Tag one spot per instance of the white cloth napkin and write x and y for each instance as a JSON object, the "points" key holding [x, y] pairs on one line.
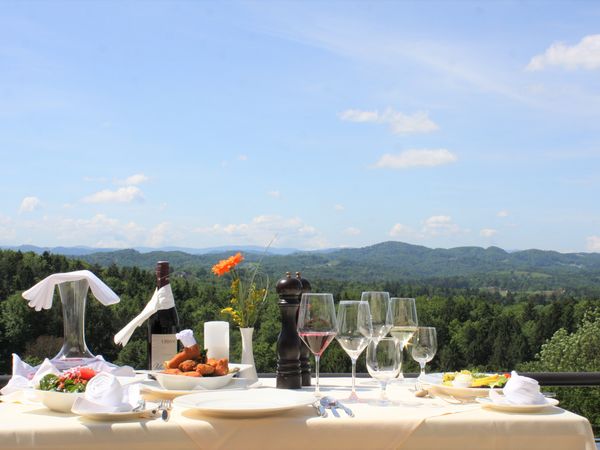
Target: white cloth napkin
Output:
{"points": [[26, 377], [40, 295], [519, 391], [104, 393], [162, 299]]}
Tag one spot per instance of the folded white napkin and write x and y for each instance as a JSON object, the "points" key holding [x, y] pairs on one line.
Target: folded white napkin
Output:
{"points": [[40, 295], [186, 337], [25, 376], [162, 299], [519, 391], [104, 393]]}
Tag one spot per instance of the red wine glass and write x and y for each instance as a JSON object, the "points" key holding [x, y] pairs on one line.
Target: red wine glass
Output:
{"points": [[317, 325]]}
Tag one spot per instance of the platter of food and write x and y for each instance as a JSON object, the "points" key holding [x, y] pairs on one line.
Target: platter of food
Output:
{"points": [[247, 403], [464, 384]]}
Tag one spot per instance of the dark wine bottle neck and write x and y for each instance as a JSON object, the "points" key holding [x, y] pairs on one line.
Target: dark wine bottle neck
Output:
{"points": [[162, 274]]}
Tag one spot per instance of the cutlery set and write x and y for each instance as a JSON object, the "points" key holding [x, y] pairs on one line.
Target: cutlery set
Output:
{"points": [[331, 403]]}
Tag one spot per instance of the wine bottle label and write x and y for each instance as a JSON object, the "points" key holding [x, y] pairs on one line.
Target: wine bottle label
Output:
{"points": [[164, 347]]}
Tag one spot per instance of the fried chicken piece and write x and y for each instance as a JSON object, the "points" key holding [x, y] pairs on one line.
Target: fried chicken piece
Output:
{"points": [[172, 371], [188, 365], [221, 366], [191, 374], [205, 369], [192, 352]]}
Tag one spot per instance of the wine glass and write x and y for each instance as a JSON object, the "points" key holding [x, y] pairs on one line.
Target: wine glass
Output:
{"points": [[384, 360], [424, 346], [317, 325], [379, 305], [354, 331], [404, 321]]}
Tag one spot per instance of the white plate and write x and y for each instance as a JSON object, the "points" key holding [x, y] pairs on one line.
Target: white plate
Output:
{"points": [[250, 403], [434, 385], [113, 416], [183, 383], [487, 403], [154, 388]]}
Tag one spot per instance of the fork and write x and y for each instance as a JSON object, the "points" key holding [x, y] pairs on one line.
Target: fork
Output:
{"points": [[165, 406]]}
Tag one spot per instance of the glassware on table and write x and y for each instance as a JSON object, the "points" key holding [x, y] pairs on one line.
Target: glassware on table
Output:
{"points": [[354, 332], [424, 346], [404, 321], [379, 305], [317, 325], [384, 360]]}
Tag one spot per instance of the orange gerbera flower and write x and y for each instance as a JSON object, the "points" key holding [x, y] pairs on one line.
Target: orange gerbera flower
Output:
{"points": [[225, 265]]}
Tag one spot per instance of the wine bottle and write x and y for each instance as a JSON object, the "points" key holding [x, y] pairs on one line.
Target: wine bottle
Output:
{"points": [[162, 326]]}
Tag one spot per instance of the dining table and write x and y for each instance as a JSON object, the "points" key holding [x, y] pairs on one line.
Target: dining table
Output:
{"points": [[410, 422]]}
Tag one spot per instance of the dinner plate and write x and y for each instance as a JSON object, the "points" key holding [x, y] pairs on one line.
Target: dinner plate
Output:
{"points": [[154, 388], [147, 413], [489, 404], [434, 385], [249, 403]]}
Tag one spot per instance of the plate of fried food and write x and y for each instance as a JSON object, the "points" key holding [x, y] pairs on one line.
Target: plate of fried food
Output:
{"points": [[190, 370], [464, 384]]}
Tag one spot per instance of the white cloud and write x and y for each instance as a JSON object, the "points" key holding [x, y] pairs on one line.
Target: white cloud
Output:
{"points": [[400, 123], [440, 226], [503, 213], [136, 179], [338, 207], [29, 204], [400, 230], [274, 194], [98, 231], [593, 243], [7, 230], [585, 55], [242, 157], [352, 231], [158, 235], [416, 158], [261, 230], [488, 232], [125, 194]]}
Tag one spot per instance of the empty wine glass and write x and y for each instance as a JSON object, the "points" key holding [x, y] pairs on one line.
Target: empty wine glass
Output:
{"points": [[354, 331], [383, 363], [424, 346], [317, 325], [404, 321], [379, 305]]}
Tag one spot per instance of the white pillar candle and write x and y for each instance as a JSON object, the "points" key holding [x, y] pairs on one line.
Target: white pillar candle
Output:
{"points": [[216, 339]]}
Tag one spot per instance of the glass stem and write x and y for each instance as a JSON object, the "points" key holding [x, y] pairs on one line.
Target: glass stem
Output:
{"points": [[317, 358], [422, 368], [353, 376], [382, 395]]}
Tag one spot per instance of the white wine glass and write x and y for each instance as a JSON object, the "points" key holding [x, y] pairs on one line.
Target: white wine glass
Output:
{"points": [[383, 363], [424, 347], [317, 325], [379, 305], [354, 332], [404, 322]]}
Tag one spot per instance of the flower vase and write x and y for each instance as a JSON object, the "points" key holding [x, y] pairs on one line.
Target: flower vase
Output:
{"points": [[248, 356]]}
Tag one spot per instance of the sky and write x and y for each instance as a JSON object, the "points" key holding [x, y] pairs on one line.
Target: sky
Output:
{"points": [[322, 124]]}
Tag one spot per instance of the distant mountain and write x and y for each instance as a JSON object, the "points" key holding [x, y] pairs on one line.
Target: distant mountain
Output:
{"points": [[395, 261]]}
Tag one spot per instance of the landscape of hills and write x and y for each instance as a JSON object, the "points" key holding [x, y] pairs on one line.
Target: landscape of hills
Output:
{"points": [[385, 261]]}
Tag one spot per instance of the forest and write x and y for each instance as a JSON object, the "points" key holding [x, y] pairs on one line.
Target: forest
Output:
{"points": [[478, 328]]}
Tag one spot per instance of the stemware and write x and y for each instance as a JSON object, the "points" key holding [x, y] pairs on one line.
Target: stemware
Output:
{"points": [[384, 360], [354, 331], [317, 325], [424, 346], [379, 305], [404, 322]]}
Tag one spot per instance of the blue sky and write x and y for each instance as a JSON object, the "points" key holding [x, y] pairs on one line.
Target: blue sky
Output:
{"points": [[325, 123]]}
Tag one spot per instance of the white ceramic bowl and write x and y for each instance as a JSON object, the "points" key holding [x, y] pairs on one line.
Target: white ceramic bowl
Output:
{"points": [[58, 401], [181, 382]]}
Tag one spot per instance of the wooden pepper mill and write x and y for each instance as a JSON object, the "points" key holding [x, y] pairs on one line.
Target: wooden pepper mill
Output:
{"points": [[288, 374], [304, 350]]}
